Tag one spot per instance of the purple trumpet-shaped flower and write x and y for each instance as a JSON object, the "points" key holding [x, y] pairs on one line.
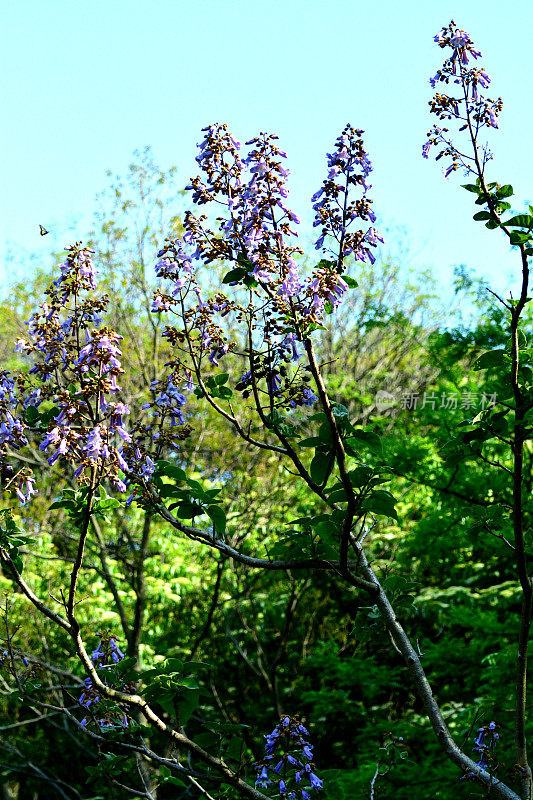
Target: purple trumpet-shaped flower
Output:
{"points": [[245, 380], [78, 266], [273, 384], [316, 782], [12, 429], [171, 401], [94, 445], [293, 774], [290, 341], [484, 745], [349, 167], [467, 106], [291, 285], [308, 398], [104, 656], [216, 353], [25, 488], [263, 781]]}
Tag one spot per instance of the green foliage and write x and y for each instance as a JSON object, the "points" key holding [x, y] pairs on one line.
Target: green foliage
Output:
{"points": [[12, 538], [276, 642]]}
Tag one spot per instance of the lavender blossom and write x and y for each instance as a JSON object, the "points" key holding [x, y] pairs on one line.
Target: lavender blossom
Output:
{"points": [[104, 656], [170, 401], [485, 745], [12, 429], [25, 488], [348, 167], [468, 107], [273, 384], [288, 762]]}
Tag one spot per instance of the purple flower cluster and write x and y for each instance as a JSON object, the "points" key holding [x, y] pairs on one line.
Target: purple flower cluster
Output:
{"points": [[287, 765], [309, 398], [106, 654], [79, 264], [327, 286], [254, 235], [335, 211], [253, 192], [175, 265], [13, 437], [6, 658], [471, 109], [71, 349], [462, 44], [484, 745], [168, 402], [164, 428]]}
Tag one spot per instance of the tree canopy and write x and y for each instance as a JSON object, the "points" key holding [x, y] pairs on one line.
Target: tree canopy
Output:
{"points": [[265, 527]]}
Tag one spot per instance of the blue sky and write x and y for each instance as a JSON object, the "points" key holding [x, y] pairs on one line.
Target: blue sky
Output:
{"points": [[88, 83]]}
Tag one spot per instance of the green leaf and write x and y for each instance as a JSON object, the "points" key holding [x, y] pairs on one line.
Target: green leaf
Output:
{"points": [[218, 516], [31, 415], [471, 187], [324, 433], [338, 496], [492, 358], [476, 435], [381, 502], [69, 504], [348, 449], [188, 510], [188, 705], [501, 207], [492, 224], [327, 528], [518, 237], [520, 221], [320, 466], [312, 441], [175, 781], [360, 476], [170, 470], [242, 261], [482, 215], [125, 668], [367, 438], [196, 485], [504, 191], [48, 416], [17, 563], [293, 546], [234, 275], [340, 412], [352, 283], [314, 326]]}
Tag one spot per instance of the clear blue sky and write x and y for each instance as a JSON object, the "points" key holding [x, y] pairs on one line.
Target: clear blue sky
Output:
{"points": [[84, 84]]}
